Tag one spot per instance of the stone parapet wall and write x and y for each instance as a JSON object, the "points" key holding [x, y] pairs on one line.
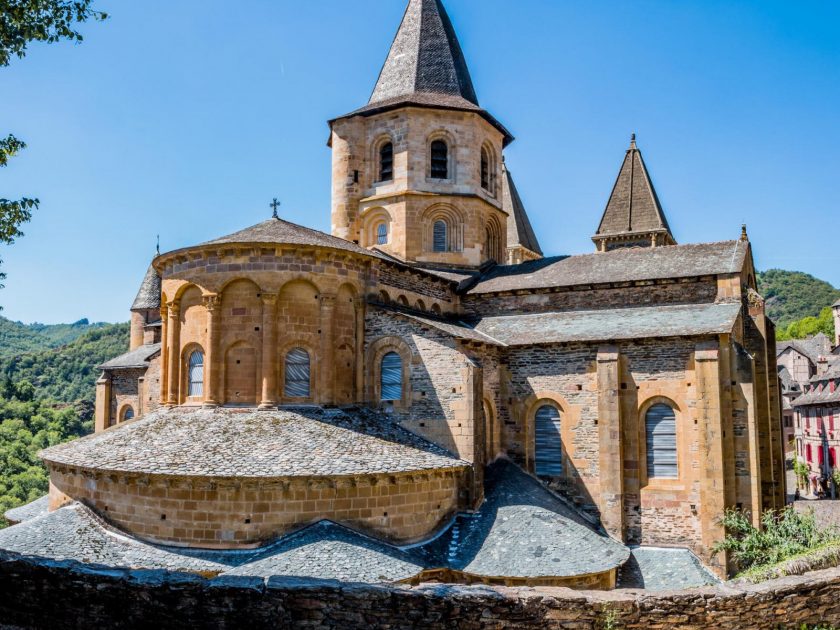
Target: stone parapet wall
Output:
{"points": [[227, 514], [39, 594]]}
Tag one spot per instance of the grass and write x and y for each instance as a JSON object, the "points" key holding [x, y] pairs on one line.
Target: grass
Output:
{"points": [[824, 556]]}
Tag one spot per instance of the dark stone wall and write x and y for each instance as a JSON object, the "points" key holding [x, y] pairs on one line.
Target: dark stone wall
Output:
{"points": [[68, 595]]}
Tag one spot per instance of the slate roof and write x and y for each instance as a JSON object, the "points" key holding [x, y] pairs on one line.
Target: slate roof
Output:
{"points": [[249, 443], [812, 347], [523, 530], [620, 265], [519, 228], [28, 511], [661, 569], [452, 328], [280, 231], [137, 358], [633, 206], [611, 324], [425, 67], [148, 297]]}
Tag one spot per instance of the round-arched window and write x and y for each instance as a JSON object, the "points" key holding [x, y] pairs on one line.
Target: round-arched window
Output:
{"points": [[195, 385], [391, 376], [548, 445], [297, 373], [661, 441], [440, 160], [439, 240], [386, 162], [382, 234], [128, 414]]}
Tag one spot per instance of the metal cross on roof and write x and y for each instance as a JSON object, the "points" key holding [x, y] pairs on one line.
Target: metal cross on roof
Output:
{"points": [[274, 205]]}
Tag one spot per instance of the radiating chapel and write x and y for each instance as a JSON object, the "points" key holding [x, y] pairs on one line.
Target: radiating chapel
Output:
{"points": [[426, 386]]}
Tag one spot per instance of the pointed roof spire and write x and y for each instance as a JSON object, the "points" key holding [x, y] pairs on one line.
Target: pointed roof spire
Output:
{"points": [[425, 58], [148, 297], [633, 214], [519, 230]]}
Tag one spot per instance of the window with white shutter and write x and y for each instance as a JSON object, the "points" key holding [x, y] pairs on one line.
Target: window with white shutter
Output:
{"points": [[548, 452], [661, 441], [391, 377], [297, 374], [195, 386]]}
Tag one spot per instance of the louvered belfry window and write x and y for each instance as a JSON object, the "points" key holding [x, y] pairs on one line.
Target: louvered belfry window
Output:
{"points": [[439, 236], [661, 441], [297, 374], [196, 374], [381, 234], [548, 452], [391, 377], [386, 162], [440, 160], [485, 170]]}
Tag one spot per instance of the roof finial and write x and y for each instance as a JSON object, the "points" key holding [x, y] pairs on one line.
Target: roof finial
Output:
{"points": [[274, 205], [632, 140], [157, 246], [744, 237]]}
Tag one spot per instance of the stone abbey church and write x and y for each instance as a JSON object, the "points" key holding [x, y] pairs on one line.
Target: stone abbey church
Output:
{"points": [[423, 394]]}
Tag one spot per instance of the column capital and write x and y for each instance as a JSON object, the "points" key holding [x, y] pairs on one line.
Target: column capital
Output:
{"points": [[174, 309], [212, 301], [269, 298], [328, 299]]}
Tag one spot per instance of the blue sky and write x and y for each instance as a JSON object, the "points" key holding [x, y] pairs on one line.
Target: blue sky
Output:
{"points": [[185, 119]]}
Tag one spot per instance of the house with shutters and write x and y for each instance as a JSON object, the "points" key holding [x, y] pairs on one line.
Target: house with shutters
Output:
{"points": [[424, 390]]}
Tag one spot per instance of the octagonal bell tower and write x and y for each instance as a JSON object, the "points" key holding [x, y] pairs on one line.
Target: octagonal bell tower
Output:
{"points": [[418, 172]]}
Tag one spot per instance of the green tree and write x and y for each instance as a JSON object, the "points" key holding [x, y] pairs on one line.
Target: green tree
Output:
{"points": [[809, 326], [22, 22]]}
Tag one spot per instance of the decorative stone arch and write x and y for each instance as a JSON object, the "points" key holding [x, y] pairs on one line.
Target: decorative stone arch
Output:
{"points": [[488, 153], [492, 433], [300, 278], [314, 364], [493, 246], [126, 413], [380, 141], [376, 351], [681, 439], [184, 385], [532, 404], [228, 282], [183, 288], [436, 310], [402, 300], [420, 305], [449, 138], [372, 219], [454, 220]]}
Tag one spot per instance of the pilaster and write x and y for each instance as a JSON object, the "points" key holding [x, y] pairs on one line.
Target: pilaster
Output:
{"points": [[269, 351], [174, 343], [359, 310], [102, 409], [212, 360], [326, 373], [611, 450]]}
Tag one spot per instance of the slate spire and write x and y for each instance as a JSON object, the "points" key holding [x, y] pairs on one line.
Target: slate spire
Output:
{"points": [[425, 58], [148, 296], [521, 240], [633, 216]]}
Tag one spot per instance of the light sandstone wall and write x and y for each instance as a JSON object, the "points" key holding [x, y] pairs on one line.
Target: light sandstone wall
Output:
{"points": [[230, 513], [684, 291], [125, 391]]}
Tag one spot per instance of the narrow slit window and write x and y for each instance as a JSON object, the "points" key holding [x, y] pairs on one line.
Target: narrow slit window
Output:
{"points": [[440, 160], [548, 447], [196, 374], [391, 377], [439, 236], [485, 170], [297, 374], [661, 441], [382, 234], [386, 162]]}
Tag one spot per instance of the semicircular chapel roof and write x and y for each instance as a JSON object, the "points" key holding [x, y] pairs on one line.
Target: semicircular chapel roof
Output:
{"points": [[247, 443]]}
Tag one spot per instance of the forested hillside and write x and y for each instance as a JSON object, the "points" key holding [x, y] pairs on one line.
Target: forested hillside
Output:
{"points": [[46, 397], [792, 295], [17, 338], [68, 374]]}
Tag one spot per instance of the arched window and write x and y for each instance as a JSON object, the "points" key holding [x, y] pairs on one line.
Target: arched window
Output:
{"points": [[128, 413], [391, 377], [548, 446], [439, 230], [381, 234], [440, 160], [386, 162], [195, 387], [297, 374], [485, 169], [661, 441]]}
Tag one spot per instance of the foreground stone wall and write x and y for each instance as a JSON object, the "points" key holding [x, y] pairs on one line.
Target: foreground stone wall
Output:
{"points": [[68, 595]]}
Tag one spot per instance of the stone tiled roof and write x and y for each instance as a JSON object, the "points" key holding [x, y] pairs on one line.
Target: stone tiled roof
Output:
{"points": [[611, 324], [28, 511], [621, 265], [633, 206], [455, 329], [137, 358], [658, 569], [426, 67], [523, 530], [519, 230], [148, 297], [255, 444], [812, 347], [282, 232], [330, 551]]}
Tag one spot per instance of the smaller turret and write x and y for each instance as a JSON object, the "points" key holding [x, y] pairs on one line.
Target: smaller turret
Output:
{"points": [[145, 311]]}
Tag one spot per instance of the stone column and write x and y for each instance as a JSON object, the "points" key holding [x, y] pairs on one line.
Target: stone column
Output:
{"points": [[611, 460], [326, 376], [164, 355], [359, 310], [269, 351], [710, 433], [173, 343], [102, 413], [212, 362]]}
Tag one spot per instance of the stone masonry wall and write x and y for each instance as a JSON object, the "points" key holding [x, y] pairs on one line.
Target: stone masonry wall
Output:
{"points": [[224, 513], [67, 595]]}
